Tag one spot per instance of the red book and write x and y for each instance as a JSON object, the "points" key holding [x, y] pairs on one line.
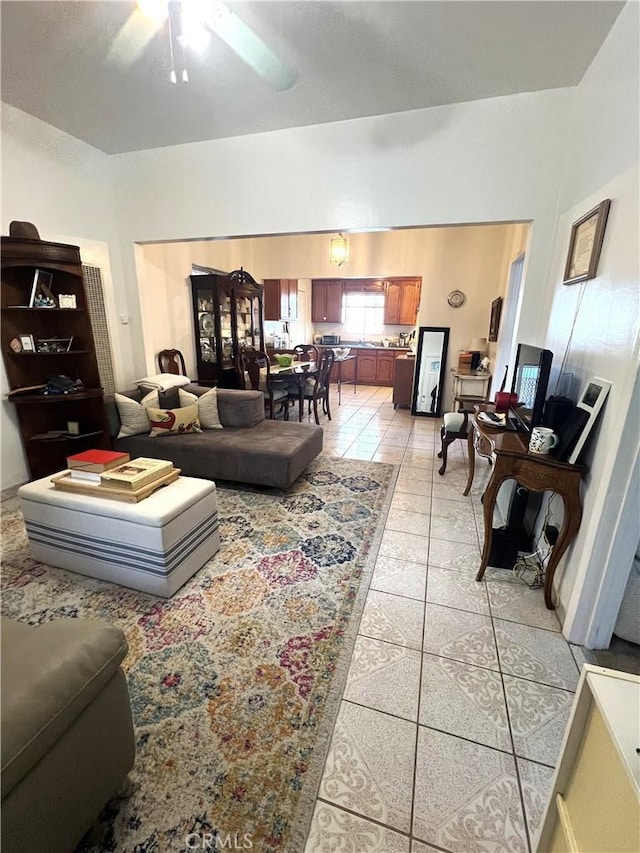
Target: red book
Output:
{"points": [[97, 460]]}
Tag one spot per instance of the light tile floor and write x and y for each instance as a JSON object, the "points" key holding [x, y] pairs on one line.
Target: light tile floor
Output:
{"points": [[458, 692]]}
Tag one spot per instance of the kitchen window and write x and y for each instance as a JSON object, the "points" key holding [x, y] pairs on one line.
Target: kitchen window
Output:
{"points": [[362, 314]]}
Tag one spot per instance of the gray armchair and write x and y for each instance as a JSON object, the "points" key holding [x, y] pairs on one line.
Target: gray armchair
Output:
{"points": [[67, 732]]}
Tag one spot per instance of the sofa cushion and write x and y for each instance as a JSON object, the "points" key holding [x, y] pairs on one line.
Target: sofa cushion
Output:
{"points": [[50, 674], [207, 406], [133, 415], [240, 408], [173, 421]]}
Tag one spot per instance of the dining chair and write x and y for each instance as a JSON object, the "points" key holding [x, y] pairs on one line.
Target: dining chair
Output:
{"points": [[306, 352], [254, 370], [317, 388], [171, 361]]}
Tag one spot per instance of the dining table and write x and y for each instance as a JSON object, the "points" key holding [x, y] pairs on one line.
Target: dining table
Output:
{"points": [[299, 372]]}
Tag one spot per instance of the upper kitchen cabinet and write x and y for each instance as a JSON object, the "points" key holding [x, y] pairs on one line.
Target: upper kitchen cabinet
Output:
{"points": [[402, 300], [281, 299], [326, 300]]}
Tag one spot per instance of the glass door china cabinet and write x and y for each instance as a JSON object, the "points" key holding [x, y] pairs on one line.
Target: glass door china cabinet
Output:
{"points": [[227, 312]]}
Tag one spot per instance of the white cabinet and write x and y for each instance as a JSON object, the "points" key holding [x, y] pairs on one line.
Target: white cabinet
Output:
{"points": [[470, 388], [594, 805]]}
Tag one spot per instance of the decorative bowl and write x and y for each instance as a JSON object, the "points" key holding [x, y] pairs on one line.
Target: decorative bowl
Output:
{"points": [[283, 359], [342, 352]]}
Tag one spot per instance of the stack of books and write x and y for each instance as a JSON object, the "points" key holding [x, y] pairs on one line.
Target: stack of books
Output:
{"points": [[88, 466], [136, 474], [111, 474]]}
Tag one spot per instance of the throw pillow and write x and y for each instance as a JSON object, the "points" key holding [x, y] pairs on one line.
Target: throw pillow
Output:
{"points": [[173, 421], [207, 407], [163, 381], [133, 415]]}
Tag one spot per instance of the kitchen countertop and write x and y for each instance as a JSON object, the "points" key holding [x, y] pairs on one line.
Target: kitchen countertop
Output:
{"points": [[365, 347]]}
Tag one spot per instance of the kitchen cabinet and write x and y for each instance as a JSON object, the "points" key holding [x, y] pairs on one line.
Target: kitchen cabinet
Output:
{"points": [[376, 366], [594, 803], [326, 300], [281, 299], [403, 381], [385, 366], [402, 300], [43, 340], [227, 316], [367, 361]]}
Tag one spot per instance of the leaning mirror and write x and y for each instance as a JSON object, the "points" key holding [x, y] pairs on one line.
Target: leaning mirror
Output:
{"points": [[428, 385]]}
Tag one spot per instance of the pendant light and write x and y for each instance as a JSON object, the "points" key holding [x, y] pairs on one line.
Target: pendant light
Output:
{"points": [[339, 253]]}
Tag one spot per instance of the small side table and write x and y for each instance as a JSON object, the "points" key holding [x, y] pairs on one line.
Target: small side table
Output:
{"points": [[352, 375]]}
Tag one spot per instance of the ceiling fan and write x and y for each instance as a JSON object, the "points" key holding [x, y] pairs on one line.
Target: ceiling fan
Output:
{"points": [[190, 24]]}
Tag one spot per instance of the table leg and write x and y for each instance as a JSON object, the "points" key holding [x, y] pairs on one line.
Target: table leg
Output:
{"points": [[300, 401], [570, 526], [488, 504], [471, 453]]}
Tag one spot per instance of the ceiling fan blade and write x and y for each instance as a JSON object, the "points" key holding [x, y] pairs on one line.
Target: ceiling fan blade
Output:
{"points": [[132, 39], [250, 47]]}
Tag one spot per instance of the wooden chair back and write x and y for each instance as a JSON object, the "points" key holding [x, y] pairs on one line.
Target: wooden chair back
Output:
{"points": [[306, 352], [171, 361]]}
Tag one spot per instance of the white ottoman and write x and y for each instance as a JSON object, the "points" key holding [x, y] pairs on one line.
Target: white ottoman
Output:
{"points": [[154, 546]]}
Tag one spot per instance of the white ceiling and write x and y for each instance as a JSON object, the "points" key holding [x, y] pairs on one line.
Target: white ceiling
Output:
{"points": [[353, 59]]}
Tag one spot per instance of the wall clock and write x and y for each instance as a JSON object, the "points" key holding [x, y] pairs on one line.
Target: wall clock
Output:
{"points": [[456, 298]]}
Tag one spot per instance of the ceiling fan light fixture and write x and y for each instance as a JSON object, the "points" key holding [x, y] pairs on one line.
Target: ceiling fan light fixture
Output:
{"points": [[195, 35], [339, 252], [155, 10]]}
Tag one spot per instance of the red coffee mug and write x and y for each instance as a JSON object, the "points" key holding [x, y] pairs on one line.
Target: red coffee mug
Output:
{"points": [[505, 400]]}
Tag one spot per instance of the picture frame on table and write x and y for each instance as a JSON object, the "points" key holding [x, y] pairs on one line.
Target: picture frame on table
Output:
{"points": [[585, 244], [591, 402], [494, 322], [41, 295], [27, 343]]}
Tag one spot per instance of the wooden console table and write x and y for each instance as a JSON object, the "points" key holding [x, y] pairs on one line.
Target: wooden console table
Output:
{"points": [[512, 461]]}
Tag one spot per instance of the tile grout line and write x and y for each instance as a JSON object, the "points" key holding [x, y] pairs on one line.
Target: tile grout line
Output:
{"points": [[510, 727]]}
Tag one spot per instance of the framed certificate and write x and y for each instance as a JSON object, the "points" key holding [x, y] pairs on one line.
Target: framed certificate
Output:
{"points": [[587, 235]]}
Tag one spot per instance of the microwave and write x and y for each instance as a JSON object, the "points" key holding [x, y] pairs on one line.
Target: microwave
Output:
{"points": [[330, 340]]}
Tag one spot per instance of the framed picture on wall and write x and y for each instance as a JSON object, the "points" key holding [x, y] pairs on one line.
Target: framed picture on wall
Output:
{"points": [[585, 245], [591, 401], [494, 322]]}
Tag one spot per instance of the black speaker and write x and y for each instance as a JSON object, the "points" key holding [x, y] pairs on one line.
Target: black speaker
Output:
{"points": [[556, 411], [504, 548]]}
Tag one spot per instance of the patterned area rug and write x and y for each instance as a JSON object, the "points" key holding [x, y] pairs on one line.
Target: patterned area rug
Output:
{"points": [[235, 682]]}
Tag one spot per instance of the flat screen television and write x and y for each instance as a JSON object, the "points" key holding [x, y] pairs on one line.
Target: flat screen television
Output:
{"points": [[530, 382]]}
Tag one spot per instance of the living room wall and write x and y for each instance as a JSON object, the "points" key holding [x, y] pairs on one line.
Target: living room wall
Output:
{"points": [[66, 188], [493, 161], [595, 327], [474, 259]]}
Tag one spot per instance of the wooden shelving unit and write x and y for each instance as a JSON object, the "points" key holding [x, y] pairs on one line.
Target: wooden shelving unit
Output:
{"points": [[39, 414]]}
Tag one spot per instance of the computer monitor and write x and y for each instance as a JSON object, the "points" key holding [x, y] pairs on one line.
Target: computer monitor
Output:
{"points": [[530, 382]]}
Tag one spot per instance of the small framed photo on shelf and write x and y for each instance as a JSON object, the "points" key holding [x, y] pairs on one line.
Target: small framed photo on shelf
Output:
{"points": [[54, 344], [41, 295], [585, 245], [26, 342], [67, 300]]}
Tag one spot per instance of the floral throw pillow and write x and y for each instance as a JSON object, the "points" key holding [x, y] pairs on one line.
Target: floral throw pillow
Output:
{"points": [[173, 421]]}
